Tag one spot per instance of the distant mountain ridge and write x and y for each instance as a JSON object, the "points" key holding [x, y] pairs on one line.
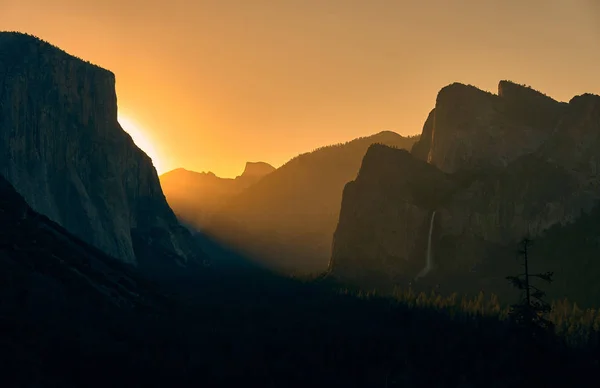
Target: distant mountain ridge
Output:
{"points": [[196, 196], [64, 151], [256, 170], [286, 220], [494, 168]]}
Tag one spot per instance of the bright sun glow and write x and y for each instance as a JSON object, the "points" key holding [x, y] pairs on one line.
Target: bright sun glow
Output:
{"points": [[141, 140]]}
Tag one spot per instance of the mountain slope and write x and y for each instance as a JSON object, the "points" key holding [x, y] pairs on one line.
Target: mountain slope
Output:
{"points": [[195, 197], [518, 163], [287, 219], [63, 149], [68, 312], [391, 186]]}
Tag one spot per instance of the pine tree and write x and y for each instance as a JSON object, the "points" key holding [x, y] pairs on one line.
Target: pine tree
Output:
{"points": [[531, 312]]}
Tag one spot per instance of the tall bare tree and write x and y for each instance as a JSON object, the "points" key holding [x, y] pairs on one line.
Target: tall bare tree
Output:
{"points": [[531, 311]]}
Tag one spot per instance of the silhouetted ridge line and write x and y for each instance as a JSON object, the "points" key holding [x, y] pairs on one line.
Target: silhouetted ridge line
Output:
{"points": [[15, 38]]}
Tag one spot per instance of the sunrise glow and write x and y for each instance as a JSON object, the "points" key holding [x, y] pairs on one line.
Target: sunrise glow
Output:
{"points": [[223, 85], [142, 140]]}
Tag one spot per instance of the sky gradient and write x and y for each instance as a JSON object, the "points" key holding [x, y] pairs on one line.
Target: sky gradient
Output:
{"points": [[213, 84]]}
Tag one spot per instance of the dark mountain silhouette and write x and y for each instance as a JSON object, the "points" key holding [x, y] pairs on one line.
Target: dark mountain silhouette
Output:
{"points": [[287, 219], [64, 151], [72, 316], [195, 196], [488, 170]]}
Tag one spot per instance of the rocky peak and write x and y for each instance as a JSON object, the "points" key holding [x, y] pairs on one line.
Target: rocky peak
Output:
{"points": [[471, 129], [529, 106], [63, 150], [586, 100], [511, 91], [257, 169], [576, 140], [461, 95]]}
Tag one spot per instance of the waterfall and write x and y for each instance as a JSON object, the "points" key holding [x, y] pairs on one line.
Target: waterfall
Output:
{"points": [[429, 257]]}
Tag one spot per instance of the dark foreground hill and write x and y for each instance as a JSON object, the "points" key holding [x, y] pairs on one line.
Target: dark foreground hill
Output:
{"points": [[72, 316], [67, 310]]}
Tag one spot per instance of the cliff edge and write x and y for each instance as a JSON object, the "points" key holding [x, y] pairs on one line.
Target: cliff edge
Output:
{"points": [[471, 129], [63, 150], [487, 171]]}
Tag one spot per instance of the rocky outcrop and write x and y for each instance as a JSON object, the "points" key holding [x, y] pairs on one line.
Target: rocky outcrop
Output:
{"points": [[421, 148], [488, 186], [575, 143], [255, 171], [196, 196], [62, 148], [385, 213], [529, 106], [470, 129]]}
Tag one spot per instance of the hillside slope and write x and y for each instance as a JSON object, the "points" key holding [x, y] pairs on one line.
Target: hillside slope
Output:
{"points": [[286, 220]]}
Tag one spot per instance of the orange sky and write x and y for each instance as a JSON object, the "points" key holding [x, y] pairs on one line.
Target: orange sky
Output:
{"points": [[213, 84]]}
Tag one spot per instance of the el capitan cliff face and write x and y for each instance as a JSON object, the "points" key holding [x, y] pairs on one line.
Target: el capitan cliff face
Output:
{"points": [[62, 148], [513, 164]]}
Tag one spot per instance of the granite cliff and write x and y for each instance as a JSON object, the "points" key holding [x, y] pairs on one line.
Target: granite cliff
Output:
{"points": [[493, 168], [470, 129], [63, 149], [253, 171], [196, 196], [384, 216], [287, 219]]}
